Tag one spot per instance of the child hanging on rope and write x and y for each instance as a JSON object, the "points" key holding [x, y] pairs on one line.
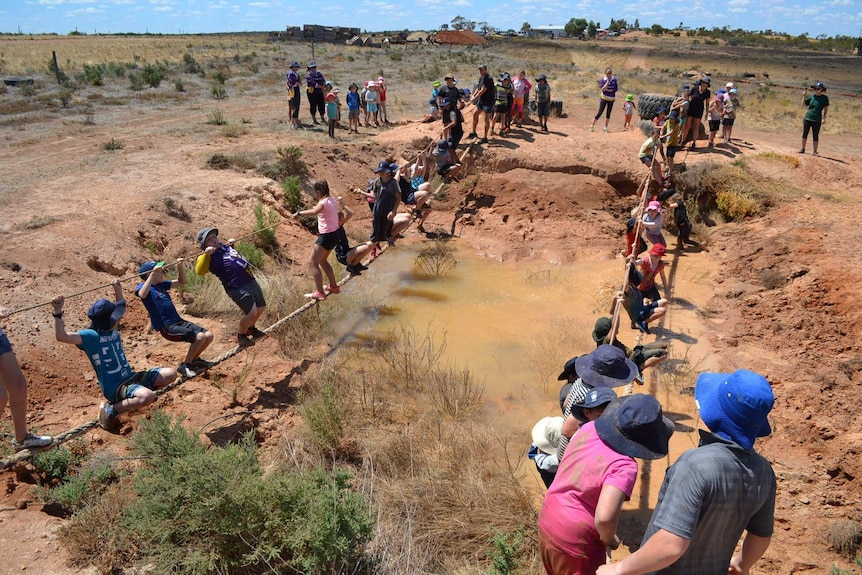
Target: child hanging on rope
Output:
{"points": [[350, 258], [13, 388], [165, 319], [124, 389], [646, 155], [326, 211], [231, 268]]}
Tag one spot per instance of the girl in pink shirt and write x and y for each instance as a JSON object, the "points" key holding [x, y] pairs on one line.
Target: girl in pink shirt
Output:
{"points": [[326, 211], [579, 516]]}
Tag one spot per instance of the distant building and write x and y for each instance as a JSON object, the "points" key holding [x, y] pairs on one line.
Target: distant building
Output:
{"points": [[551, 31]]}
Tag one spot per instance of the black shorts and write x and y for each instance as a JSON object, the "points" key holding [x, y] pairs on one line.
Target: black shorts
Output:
{"points": [[182, 331], [5, 344], [714, 125], [671, 151], [444, 169], [501, 108], [727, 121], [483, 108], [543, 108], [328, 240], [247, 296]]}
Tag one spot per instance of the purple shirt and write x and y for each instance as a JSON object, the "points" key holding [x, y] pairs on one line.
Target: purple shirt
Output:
{"points": [[609, 88], [314, 79], [230, 267]]}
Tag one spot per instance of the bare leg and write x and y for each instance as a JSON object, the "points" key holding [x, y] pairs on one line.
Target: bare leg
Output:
{"points": [[202, 341], [13, 386], [144, 396]]}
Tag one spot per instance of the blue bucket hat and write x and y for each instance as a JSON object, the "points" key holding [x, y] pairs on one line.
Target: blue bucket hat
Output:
{"points": [[147, 267], [294, 65], [594, 398], [607, 366], [104, 314], [383, 167], [735, 405], [635, 426]]}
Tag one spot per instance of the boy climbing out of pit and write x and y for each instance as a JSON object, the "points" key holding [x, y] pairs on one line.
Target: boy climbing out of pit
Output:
{"points": [[124, 388], [231, 268], [165, 319]]}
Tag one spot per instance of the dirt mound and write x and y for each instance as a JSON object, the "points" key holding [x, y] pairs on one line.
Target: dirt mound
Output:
{"points": [[460, 37]]}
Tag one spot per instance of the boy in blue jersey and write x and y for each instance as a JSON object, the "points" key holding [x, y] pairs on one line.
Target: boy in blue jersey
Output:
{"points": [[124, 389], [165, 319]]}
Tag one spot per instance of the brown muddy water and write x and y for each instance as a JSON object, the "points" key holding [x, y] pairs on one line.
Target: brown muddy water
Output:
{"points": [[514, 325]]}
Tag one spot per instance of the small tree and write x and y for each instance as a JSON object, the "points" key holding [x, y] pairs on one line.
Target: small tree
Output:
{"points": [[575, 27], [525, 27], [637, 24], [592, 29]]}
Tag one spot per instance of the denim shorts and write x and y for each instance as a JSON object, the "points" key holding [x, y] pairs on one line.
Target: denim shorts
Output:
{"points": [[5, 344], [139, 379]]}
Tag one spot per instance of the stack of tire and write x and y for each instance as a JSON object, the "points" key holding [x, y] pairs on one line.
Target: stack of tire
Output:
{"points": [[648, 107]]}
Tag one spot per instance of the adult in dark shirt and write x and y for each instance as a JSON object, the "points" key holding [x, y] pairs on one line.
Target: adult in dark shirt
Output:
{"points": [[484, 100], [450, 92], [388, 198], [700, 95], [315, 83]]}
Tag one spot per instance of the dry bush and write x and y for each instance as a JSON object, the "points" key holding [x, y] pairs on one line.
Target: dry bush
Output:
{"points": [[436, 260], [679, 371], [791, 161], [845, 537], [438, 485], [409, 356], [95, 539], [550, 349], [729, 188], [454, 392]]}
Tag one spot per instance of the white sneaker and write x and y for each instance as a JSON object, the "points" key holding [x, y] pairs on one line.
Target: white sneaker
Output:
{"points": [[186, 371], [32, 441]]}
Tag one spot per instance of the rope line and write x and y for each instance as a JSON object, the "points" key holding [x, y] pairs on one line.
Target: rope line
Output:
{"points": [[80, 430]]}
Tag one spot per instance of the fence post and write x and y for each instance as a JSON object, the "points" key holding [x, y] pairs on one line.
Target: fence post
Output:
{"points": [[56, 67]]}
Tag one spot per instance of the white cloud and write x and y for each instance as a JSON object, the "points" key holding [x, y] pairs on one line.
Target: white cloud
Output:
{"points": [[163, 9], [461, 3]]}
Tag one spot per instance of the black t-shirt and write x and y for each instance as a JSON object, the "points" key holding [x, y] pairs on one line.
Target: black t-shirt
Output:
{"points": [[698, 102], [487, 97], [451, 93]]}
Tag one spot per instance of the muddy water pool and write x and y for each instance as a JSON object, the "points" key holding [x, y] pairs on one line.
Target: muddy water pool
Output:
{"points": [[515, 324]]}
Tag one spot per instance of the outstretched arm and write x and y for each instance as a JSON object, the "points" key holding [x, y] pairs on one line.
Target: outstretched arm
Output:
{"points": [[59, 327]]}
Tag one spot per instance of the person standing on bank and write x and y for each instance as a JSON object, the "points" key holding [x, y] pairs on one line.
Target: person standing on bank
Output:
{"points": [[292, 81], [607, 94], [315, 82], [716, 491], [815, 117]]}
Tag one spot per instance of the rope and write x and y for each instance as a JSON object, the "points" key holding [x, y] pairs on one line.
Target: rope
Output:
{"points": [[80, 430]]}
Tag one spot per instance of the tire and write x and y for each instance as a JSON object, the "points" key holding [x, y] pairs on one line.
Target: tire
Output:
{"points": [[649, 104]]}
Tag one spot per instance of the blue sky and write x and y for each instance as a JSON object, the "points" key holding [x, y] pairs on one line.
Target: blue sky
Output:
{"points": [[830, 17]]}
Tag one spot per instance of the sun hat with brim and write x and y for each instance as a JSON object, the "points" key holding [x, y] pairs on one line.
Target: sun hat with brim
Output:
{"points": [[818, 86], [634, 425], [564, 393], [630, 97], [147, 267], [606, 366], [654, 205], [735, 405], [602, 328], [202, 235], [595, 397], [569, 369], [294, 65], [436, 83], [547, 433], [657, 250], [383, 167], [312, 64], [104, 314], [541, 77]]}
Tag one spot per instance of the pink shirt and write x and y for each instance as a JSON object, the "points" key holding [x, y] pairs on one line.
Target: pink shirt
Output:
{"points": [[327, 220], [568, 514]]}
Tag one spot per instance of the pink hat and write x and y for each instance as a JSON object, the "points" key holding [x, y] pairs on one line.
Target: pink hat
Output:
{"points": [[729, 85], [657, 250], [653, 205], [380, 78]]}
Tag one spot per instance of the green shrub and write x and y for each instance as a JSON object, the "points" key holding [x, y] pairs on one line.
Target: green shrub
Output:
{"points": [[137, 84], [504, 556], [83, 488], [93, 74], [178, 85], [291, 162], [292, 193], [219, 77], [218, 92], [190, 64], [153, 74], [55, 465], [216, 118], [112, 145], [265, 223], [66, 95], [203, 509], [323, 412]]}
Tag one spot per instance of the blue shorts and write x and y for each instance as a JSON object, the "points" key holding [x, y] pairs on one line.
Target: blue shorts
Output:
{"points": [[486, 109], [646, 311], [5, 344], [543, 108], [139, 379], [647, 160], [671, 151], [247, 296], [371, 107]]}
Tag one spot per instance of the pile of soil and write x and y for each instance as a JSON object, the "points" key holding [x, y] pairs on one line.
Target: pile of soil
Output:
{"points": [[459, 37]]}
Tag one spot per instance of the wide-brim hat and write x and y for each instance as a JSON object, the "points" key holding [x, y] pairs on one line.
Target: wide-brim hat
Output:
{"points": [[104, 314], [312, 64], [383, 167], [818, 86], [569, 369], [294, 65], [541, 77], [606, 366], [602, 329], [735, 405], [635, 426], [594, 398], [203, 233], [547, 434]]}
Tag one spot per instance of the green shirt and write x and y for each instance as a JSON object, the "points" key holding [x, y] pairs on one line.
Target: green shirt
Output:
{"points": [[816, 104]]}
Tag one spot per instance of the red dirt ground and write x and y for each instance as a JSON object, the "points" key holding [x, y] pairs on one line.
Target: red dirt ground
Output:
{"points": [[786, 303]]}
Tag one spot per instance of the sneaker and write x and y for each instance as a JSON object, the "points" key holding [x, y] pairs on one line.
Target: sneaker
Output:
{"points": [[255, 333], [185, 370], [815, 154], [333, 288], [472, 135], [32, 441], [316, 295], [107, 416], [361, 267], [592, 129], [606, 130], [353, 270], [802, 151], [201, 365], [244, 340], [483, 141], [643, 327], [493, 133], [390, 240], [639, 379]]}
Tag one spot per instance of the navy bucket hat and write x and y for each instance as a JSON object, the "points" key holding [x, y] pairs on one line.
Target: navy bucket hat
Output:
{"points": [[635, 426], [607, 366]]}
